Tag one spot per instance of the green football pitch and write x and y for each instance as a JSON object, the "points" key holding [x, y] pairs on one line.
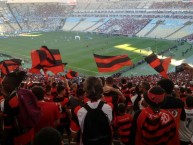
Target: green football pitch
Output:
{"points": [[79, 53]]}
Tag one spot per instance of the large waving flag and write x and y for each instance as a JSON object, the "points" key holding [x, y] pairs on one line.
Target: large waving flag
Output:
{"points": [[160, 65], [58, 66], [7, 66], [50, 60], [111, 63], [166, 62], [37, 57], [46, 59]]}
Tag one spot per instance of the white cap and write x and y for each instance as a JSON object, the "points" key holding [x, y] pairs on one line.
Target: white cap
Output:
{"points": [[191, 83], [176, 86]]}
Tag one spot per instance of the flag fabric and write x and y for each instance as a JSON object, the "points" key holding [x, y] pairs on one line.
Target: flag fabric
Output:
{"points": [[34, 71], [50, 60], [46, 59], [58, 65], [71, 74], [54, 69], [8, 66], [111, 63], [166, 62], [37, 57], [160, 65], [56, 55]]}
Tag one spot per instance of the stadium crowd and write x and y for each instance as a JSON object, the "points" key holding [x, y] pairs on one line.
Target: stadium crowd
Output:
{"points": [[125, 26], [139, 110], [172, 5], [24, 17], [190, 37]]}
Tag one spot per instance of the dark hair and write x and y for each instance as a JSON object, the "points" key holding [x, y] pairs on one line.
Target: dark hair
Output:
{"points": [[121, 108], [182, 90], [109, 80], [48, 136], [54, 84], [48, 88], [12, 80], [103, 80], [189, 91], [189, 101], [38, 92], [129, 84], [123, 81], [60, 89], [79, 92], [60, 83], [167, 85], [145, 85], [93, 88], [137, 90]]}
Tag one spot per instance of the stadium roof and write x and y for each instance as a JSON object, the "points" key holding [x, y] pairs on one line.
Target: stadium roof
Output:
{"points": [[41, 1], [70, 1]]}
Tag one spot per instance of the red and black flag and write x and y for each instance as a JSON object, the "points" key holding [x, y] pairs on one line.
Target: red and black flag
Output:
{"points": [[71, 74], [8, 66], [160, 65], [50, 60], [58, 65], [37, 57], [111, 63], [166, 62], [46, 59]]}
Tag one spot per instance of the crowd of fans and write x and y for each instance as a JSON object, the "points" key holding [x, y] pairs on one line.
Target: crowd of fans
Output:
{"points": [[125, 26], [135, 107], [37, 11], [134, 5], [140, 109], [190, 37], [106, 5], [172, 5], [37, 17]]}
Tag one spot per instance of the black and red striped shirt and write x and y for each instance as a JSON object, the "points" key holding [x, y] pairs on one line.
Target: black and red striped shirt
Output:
{"points": [[123, 123], [154, 128]]}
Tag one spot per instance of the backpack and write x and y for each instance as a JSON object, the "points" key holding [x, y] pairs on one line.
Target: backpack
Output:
{"points": [[29, 111], [96, 130]]}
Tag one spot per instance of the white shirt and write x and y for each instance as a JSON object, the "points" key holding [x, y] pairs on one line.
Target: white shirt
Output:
{"points": [[186, 127], [82, 113]]}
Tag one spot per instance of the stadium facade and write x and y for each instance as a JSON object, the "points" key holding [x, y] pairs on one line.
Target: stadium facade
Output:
{"points": [[121, 17]]}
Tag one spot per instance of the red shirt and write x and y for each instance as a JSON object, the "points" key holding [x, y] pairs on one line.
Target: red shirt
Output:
{"points": [[48, 98], [62, 102], [49, 114]]}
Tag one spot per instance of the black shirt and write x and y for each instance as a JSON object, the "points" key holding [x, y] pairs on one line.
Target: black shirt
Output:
{"points": [[171, 102]]}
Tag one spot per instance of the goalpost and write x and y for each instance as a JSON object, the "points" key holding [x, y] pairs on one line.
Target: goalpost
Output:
{"points": [[77, 37]]}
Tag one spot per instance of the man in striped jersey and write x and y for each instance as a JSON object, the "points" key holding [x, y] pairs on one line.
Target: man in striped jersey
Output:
{"points": [[123, 122], [152, 125]]}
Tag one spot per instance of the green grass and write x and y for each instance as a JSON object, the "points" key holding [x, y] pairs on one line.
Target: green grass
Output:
{"points": [[79, 54]]}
